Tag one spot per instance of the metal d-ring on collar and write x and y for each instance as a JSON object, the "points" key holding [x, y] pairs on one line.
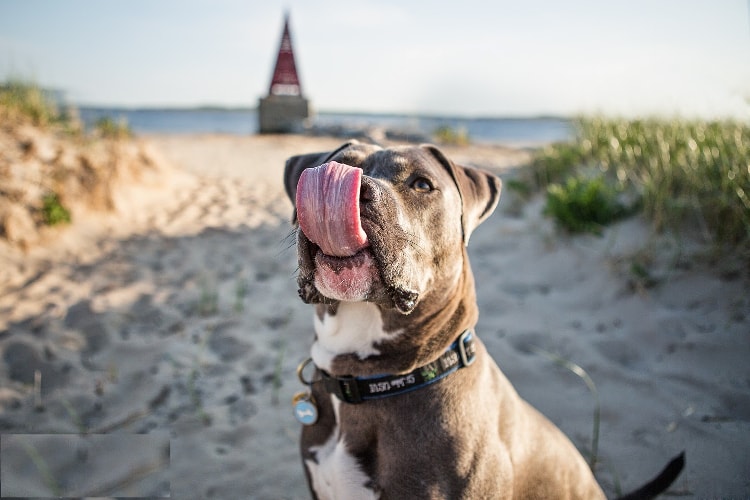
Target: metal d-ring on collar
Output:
{"points": [[301, 372]]}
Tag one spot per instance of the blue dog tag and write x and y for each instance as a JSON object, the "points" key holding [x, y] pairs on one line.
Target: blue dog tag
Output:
{"points": [[305, 410]]}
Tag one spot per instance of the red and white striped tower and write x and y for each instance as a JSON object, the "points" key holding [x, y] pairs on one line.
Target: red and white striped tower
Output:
{"points": [[285, 80], [284, 109]]}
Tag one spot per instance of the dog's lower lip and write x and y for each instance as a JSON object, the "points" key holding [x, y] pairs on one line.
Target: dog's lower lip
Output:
{"points": [[338, 263]]}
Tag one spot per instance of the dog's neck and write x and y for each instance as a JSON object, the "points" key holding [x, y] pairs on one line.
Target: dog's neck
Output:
{"points": [[364, 339], [355, 329]]}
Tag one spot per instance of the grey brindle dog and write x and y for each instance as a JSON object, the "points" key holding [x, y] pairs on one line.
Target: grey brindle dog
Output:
{"points": [[405, 402]]}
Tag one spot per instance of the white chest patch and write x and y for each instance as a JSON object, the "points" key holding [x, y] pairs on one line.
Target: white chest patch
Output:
{"points": [[337, 475], [355, 328]]}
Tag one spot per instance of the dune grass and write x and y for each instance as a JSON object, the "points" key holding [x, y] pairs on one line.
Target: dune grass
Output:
{"points": [[19, 99], [24, 100], [682, 173], [109, 128]]}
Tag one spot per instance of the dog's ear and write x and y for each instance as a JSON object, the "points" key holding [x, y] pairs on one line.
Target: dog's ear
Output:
{"points": [[479, 191], [296, 164]]}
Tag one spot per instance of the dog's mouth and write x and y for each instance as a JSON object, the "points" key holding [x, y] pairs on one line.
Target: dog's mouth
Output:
{"points": [[357, 278], [346, 262], [328, 214]]}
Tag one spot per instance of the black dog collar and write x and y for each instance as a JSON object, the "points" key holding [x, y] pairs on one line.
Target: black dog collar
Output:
{"points": [[460, 354]]}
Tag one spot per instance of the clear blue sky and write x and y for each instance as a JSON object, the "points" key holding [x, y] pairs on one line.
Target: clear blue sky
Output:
{"points": [[465, 57]]}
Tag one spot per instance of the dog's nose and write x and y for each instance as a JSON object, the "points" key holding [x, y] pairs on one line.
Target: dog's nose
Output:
{"points": [[368, 191]]}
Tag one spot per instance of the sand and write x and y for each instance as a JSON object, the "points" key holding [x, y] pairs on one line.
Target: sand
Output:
{"points": [[178, 316]]}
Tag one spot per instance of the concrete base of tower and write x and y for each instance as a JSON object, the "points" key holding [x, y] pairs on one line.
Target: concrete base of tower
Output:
{"points": [[282, 114]]}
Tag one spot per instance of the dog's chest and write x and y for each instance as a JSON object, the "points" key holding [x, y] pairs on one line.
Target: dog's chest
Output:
{"points": [[335, 473]]}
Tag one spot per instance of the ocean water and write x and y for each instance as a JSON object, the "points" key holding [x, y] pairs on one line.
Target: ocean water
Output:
{"points": [[524, 132]]}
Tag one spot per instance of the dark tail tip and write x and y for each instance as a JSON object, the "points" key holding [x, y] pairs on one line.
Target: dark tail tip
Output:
{"points": [[661, 482]]}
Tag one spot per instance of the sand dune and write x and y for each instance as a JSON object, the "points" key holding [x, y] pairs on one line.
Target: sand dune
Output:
{"points": [[178, 316]]}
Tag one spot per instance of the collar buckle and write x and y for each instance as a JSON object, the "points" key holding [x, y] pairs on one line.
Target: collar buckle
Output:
{"points": [[468, 355]]}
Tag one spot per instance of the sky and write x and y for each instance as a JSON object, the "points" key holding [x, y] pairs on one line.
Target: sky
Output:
{"points": [[473, 58]]}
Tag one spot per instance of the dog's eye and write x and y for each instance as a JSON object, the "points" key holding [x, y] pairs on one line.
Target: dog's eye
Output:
{"points": [[422, 185]]}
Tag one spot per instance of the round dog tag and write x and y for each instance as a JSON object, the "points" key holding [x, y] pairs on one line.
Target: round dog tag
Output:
{"points": [[305, 410]]}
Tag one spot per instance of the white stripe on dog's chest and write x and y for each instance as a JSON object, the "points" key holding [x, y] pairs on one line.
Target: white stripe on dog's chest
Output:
{"points": [[335, 474], [356, 328]]}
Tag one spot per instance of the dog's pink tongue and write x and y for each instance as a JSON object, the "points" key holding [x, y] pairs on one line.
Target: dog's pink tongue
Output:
{"points": [[328, 208]]}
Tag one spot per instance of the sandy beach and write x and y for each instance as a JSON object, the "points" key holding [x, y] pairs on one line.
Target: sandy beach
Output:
{"points": [[176, 315]]}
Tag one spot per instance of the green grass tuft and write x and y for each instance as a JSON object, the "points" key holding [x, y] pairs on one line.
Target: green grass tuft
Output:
{"points": [[53, 211], [27, 100], [110, 128], [451, 136], [584, 205]]}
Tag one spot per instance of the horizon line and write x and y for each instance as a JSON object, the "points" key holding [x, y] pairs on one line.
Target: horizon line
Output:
{"points": [[400, 114]]}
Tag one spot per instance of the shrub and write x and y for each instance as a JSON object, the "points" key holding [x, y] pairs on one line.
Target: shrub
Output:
{"points": [[584, 205], [53, 210], [451, 136]]}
